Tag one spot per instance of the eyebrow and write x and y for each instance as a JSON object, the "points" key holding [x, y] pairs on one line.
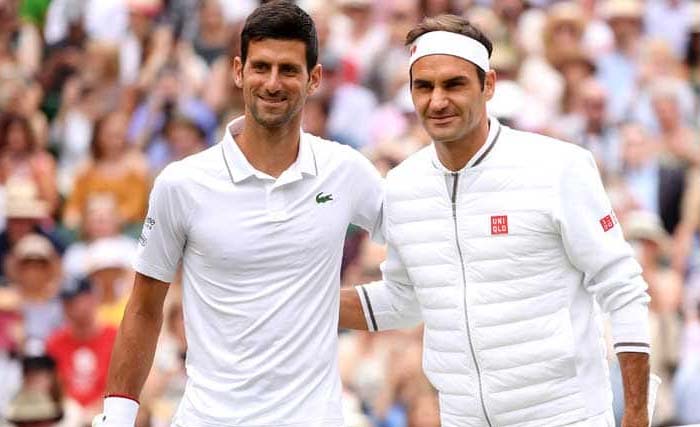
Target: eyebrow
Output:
{"points": [[422, 82], [452, 80], [458, 79]]}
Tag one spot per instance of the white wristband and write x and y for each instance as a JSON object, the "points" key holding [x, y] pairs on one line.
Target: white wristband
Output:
{"points": [[120, 411]]}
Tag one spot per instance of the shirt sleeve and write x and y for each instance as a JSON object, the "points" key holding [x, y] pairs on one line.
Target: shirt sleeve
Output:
{"points": [[164, 233], [368, 195], [390, 303], [595, 245]]}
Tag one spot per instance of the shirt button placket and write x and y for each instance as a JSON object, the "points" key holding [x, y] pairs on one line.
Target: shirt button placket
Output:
{"points": [[275, 204]]}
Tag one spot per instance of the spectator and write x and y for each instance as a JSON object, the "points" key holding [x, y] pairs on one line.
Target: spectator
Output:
{"points": [[81, 349], [661, 15], [619, 70], [25, 215], [101, 220], [34, 409], [34, 273], [114, 169], [352, 105], [20, 42], [22, 158], [109, 272], [103, 20], [388, 72], [184, 137], [358, 37], [213, 34], [170, 95], [656, 187], [591, 127], [39, 375], [133, 47], [680, 140]]}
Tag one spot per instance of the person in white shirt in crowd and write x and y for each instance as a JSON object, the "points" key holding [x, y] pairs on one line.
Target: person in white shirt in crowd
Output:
{"points": [[502, 242], [258, 223]]}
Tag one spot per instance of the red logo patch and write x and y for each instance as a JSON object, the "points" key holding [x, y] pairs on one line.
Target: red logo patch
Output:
{"points": [[413, 49], [608, 222], [499, 224]]}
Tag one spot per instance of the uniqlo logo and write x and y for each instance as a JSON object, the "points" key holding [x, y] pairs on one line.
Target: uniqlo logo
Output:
{"points": [[499, 224], [608, 222]]}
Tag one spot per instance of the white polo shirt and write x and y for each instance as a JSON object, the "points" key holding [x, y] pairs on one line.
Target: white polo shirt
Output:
{"points": [[261, 273]]}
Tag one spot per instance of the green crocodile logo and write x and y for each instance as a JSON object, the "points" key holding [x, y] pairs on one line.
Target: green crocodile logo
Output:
{"points": [[323, 198]]}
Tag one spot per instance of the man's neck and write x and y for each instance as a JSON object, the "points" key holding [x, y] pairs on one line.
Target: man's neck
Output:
{"points": [[270, 150], [455, 155]]}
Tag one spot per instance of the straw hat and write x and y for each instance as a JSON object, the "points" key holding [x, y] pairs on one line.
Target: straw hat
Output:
{"points": [[22, 200], [34, 246], [30, 406], [642, 225]]}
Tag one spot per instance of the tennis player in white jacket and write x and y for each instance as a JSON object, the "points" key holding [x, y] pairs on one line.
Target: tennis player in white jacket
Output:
{"points": [[502, 242]]}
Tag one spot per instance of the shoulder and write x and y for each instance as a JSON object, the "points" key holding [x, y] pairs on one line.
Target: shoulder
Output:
{"points": [[182, 172], [538, 150], [336, 156], [328, 149], [417, 163]]}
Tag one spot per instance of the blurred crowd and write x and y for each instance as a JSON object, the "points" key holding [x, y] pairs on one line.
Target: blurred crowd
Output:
{"points": [[97, 96]]}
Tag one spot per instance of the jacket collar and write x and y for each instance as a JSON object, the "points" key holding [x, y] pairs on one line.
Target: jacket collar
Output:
{"points": [[479, 156]]}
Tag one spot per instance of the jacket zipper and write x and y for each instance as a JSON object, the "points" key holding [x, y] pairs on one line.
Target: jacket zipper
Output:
{"points": [[464, 281]]}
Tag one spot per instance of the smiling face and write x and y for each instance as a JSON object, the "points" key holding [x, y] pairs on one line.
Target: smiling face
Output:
{"points": [[448, 96], [276, 81]]}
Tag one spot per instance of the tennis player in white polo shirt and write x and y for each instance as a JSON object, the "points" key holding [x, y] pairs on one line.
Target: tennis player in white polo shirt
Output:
{"points": [[258, 222]]}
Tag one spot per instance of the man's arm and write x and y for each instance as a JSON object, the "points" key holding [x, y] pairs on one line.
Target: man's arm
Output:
{"points": [[635, 380], [133, 352], [351, 314], [595, 245], [390, 303], [136, 341]]}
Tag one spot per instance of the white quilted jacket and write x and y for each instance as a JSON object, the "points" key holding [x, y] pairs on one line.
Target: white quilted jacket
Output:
{"points": [[503, 261]]}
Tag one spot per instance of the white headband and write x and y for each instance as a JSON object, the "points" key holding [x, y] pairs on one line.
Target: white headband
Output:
{"points": [[448, 43]]}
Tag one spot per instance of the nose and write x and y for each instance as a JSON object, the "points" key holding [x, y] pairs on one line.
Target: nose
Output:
{"points": [[273, 83], [438, 99]]}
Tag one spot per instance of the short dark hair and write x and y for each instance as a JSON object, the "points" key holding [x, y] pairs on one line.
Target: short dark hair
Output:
{"points": [[453, 24], [283, 20]]}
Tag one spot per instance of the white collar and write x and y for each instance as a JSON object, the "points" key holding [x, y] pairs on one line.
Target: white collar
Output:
{"points": [[241, 169], [478, 157]]}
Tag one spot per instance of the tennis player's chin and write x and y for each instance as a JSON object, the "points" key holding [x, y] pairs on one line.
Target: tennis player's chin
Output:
{"points": [[443, 131], [272, 120]]}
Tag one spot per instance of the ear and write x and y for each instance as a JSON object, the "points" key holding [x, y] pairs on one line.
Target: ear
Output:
{"points": [[238, 72], [489, 84], [315, 77]]}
